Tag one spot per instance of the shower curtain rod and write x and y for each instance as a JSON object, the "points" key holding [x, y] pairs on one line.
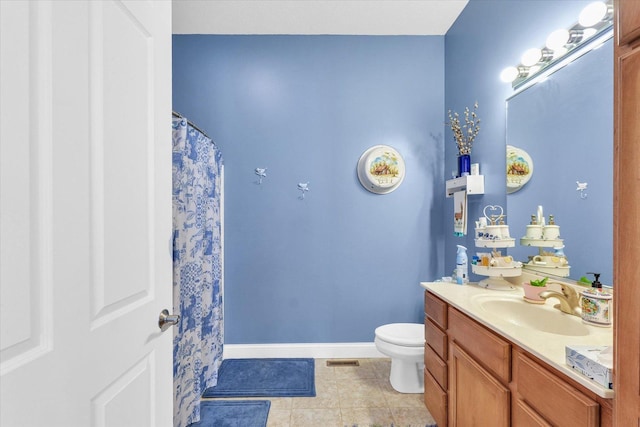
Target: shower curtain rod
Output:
{"points": [[180, 116]]}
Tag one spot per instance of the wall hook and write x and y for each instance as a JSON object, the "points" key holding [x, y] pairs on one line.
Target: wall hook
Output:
{"points": [[261, 172], [304, 187], [582, 188]]}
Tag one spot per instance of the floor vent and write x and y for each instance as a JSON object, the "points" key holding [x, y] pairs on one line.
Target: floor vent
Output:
{"points": [[343, 362]]}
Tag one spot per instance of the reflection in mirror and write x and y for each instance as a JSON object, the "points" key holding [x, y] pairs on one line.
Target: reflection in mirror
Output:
{"points": [[565, 124]]}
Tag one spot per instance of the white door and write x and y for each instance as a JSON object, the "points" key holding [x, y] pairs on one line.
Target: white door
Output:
{"points": [[85, 219]]}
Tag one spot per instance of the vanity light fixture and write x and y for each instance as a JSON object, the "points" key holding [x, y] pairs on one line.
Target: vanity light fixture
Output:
{"points": [[531, 57], [595, 21], [509, 74], [595, 12], [533, 70], [558, 39]]}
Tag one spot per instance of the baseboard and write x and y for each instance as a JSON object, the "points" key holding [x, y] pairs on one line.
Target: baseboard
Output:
{"points": [[314, 350]]}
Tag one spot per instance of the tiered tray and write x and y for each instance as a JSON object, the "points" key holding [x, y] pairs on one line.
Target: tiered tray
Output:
{"points": [[496, 243], [555, 270]]}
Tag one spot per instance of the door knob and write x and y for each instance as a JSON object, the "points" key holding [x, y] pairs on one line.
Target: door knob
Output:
{"points": [[167, 320]]}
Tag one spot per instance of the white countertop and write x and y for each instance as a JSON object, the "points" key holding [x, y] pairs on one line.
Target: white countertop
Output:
{"points": [[548, 347]]}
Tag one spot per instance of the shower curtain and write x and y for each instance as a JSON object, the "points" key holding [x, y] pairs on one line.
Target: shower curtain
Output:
{"points": [[197, 268]]}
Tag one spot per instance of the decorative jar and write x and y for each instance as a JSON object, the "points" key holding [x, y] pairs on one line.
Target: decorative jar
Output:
{"points": [[464, 164]]}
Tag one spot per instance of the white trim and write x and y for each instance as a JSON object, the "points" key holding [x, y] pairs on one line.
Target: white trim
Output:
{"points": [[314, 350], [222, 225]]}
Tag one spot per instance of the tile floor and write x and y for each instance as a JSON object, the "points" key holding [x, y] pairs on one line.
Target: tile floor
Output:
{"points": [[348, 396]]}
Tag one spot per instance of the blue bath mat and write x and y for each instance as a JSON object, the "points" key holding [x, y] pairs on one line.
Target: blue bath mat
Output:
{"points": [[233, 413], [264, 378]]}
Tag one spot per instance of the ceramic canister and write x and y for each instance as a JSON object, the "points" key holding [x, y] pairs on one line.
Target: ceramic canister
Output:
{"points": [[596, 307], [534, 231], [551, 232], [493, 231]]}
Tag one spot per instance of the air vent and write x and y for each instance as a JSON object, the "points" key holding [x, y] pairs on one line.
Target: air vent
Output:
{"points": [[343, 362]]}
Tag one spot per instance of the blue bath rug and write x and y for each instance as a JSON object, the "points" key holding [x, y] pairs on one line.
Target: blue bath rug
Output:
{"points": [[233, 413], [264, 378]]}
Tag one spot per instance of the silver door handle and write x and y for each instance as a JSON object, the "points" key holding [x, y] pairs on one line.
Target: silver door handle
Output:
{"points": [[167, 320]]}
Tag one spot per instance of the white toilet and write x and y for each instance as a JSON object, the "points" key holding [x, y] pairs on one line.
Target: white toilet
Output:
{"points": [[404, 344]]}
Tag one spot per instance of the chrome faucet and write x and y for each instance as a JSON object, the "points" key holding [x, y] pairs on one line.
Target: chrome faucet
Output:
{"points": [[569, 299]]}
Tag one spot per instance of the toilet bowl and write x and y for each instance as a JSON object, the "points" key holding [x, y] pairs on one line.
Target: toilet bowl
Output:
{"points": [[404, 344]]}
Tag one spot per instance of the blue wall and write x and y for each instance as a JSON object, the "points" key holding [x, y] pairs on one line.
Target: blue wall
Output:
{"points": [[331, 267], [487, 37]]}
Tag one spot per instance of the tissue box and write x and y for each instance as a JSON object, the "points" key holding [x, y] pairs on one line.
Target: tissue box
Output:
{"points": [[584, 359]]}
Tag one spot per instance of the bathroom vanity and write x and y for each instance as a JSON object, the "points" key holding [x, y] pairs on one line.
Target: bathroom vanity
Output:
{"points": [[491, 357]]}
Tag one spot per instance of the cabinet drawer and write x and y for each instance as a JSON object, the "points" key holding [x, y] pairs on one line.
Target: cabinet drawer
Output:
{"points": [[435, 399], [555, 400], [525, 416], [436, 338], [436, 366], [436, 309], [487, 348]]}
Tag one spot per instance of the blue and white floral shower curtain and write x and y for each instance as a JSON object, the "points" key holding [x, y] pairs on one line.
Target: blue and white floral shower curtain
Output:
{"points": [[197, 268]]}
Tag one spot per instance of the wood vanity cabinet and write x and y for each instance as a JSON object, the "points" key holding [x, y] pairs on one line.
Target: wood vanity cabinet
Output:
{"points": [[435, 358], [547, 399], [626, 211], [475, 377]]}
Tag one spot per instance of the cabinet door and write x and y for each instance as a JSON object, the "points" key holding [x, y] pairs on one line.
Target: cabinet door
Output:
{"points": [[525, 416], [476, 398], [628, 20]]}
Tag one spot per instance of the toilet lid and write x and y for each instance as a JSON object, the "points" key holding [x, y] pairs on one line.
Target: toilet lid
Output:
{"points": [[407, 334]]}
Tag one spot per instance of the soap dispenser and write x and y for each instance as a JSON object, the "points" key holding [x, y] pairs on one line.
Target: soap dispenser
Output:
{"points": [[596, 283], [596, 304]]}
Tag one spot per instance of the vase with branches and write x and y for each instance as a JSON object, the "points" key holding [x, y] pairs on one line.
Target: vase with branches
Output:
{"points": [[465, 134]]}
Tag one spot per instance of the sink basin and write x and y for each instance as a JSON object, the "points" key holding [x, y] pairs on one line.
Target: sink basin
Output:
{"points": [[541, 317]]}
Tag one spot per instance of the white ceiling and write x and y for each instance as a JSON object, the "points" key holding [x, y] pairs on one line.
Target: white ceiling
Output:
{"points": [[367, 17]]}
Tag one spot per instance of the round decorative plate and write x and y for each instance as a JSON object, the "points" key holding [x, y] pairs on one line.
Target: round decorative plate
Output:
{"points": [[381, 169], [519, 168]]}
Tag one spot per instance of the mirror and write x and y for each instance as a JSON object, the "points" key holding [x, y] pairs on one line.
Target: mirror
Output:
{"points": [[565, 125]]}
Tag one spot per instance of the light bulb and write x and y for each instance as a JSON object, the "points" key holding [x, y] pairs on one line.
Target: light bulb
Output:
{"points": [[592, 14], [531, 57], [557, 39], [557, 53], [509, 74]]}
